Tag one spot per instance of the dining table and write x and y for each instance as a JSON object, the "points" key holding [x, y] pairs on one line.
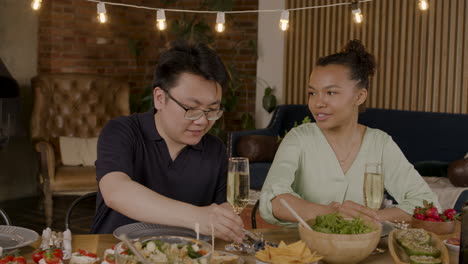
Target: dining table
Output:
{"points": [[98, 243]]}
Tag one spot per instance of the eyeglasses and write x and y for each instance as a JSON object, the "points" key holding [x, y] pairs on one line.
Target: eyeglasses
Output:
{"points": [[195, 114]]}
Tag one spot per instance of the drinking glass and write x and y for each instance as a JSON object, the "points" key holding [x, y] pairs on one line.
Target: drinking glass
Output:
{"points": [[374, 191], [238, 186], [373, 186]]}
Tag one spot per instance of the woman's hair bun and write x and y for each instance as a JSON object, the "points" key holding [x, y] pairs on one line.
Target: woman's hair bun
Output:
{"points": [[356, 46], [364, 58]]}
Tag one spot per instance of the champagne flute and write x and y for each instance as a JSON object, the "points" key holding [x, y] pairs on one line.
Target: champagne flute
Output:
{"points": [[238, 187], [374, 190], [373, 186]]}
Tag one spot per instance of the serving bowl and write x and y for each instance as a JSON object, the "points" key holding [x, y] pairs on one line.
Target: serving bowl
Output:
{"points": [[176, 242], [439, 228], [341, 248]]}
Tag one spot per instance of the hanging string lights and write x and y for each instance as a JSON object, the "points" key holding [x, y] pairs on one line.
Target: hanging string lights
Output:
{"points": [[357, 14], [220, 26], [220, 20], [284, 20], [101, 10], [161, 19], [423, 5]]}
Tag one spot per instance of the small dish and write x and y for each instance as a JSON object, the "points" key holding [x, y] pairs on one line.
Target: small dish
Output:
{"points": [[451, 244]]}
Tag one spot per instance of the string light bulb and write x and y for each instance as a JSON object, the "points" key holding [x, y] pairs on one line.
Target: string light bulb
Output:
{"points": [[36, 4], [101, 10], [423, 5], [220, 20], [284, 20], [357, 15], [161, 19]]}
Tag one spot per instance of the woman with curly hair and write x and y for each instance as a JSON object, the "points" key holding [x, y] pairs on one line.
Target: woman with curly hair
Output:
{"points": [[319, 167]]}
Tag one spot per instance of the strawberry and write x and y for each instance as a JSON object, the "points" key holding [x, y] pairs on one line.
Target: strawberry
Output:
{"points": [[419, 216], [432, 213], [450, 213], [431, 219]]}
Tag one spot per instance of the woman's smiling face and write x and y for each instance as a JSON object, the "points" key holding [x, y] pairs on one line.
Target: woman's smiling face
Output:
{"points": [[334, 98]]}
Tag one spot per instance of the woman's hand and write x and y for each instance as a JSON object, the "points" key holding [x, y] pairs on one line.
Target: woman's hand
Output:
{"points": [[227, 224], [354, 210]]}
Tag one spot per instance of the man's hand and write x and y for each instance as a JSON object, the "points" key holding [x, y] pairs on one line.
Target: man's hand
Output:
{"points": [[227, 224], [354, 210]]}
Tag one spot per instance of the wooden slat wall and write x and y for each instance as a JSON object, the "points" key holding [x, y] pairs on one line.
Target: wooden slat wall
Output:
{"points": [[422, 55]]}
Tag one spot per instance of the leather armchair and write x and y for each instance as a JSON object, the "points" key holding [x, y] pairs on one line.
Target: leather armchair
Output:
{"points": [[71, 105]]}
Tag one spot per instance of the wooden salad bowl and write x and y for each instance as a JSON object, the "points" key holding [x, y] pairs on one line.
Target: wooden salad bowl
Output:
{"points": [[341, 248]]}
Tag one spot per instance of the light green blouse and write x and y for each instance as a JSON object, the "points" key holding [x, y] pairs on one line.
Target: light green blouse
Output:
{"points": [[306, 166]]}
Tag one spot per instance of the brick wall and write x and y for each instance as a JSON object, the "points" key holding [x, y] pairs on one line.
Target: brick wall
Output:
{"points": [[72, 40]]}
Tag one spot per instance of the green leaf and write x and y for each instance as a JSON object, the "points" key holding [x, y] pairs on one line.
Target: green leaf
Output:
{"points": [[247, 121], [269, 102]]}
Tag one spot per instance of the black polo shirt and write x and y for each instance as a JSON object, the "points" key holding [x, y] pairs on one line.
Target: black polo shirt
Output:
{"points": [[132, 145]]}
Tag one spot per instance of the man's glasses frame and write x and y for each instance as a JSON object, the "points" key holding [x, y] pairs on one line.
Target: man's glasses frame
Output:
{"points": [[195, 114]]}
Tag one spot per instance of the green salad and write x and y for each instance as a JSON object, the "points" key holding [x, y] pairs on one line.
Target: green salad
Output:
{"points": [[334, 223]]}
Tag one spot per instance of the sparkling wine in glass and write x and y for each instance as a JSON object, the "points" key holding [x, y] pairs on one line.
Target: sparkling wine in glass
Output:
{"points": [[238, 186], [373, 186], [374, 191]]}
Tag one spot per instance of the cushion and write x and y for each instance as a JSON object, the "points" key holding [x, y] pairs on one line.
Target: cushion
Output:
{"points": [[257, 148], [458, 172], [447, 194], [78, 151]]}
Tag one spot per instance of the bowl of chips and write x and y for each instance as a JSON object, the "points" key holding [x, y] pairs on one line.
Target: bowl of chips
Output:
{"points": [[294, 253], [356, 242]]}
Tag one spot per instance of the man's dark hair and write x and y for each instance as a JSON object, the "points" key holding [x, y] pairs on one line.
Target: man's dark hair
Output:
{"points": [[186, 57]]}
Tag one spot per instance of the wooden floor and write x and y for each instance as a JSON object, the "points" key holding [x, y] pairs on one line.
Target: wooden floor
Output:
{"points": [[29, 213]]}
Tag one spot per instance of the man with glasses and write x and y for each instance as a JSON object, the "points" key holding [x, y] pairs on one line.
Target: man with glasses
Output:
{"points": [[161, 166]]}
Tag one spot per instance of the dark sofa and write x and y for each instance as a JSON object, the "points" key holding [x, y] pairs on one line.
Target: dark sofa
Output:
{"points": [[430, 141]]}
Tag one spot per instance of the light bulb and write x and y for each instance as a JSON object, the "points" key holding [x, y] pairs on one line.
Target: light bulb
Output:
{"points": [[357, 15], [36, 4], [101, 10], [220, 20], [284, 20], [423, 5], [102, 17], [161, 19], [162, 25], [220, 27]]}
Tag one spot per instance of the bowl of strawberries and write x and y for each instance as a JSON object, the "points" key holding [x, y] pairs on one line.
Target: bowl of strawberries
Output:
{"points": [[428, 217]]}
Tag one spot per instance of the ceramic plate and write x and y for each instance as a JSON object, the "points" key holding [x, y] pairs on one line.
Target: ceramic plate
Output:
{"points": [[137, 230], [12, 237]]}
